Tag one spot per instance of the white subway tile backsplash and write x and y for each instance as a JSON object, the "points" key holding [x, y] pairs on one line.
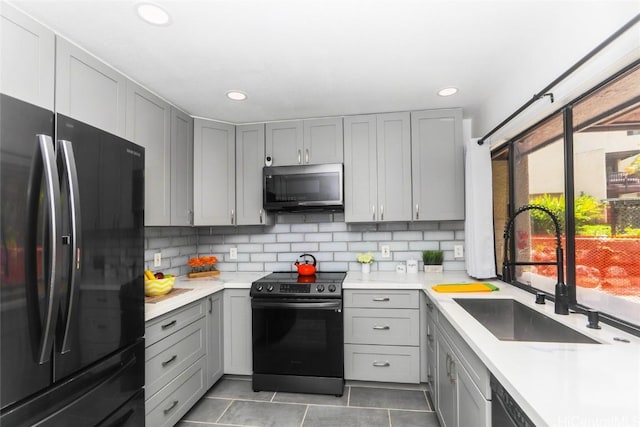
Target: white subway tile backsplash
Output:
{"points": [[275, 248], [304, 247]]}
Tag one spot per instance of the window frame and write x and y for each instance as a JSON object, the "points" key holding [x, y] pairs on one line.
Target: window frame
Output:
{"points": [[569, 191]]}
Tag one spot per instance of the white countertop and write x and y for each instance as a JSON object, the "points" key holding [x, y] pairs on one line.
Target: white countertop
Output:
{"points": [[557, 384]]}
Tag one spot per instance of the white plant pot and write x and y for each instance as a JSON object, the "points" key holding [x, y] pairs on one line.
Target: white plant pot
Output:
{"points": [[433, 269], [366, 268]]}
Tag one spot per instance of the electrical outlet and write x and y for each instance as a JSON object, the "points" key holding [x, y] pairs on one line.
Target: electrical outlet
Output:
{"points": [[458, 251], [157, 259], [386, 253], [233, 253]]}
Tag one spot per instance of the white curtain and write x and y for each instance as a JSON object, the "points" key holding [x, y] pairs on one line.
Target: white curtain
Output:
{"points": [[480, 257]]}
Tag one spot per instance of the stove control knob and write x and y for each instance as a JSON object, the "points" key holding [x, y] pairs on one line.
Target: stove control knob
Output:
{"points": [[259, 288], [269, 288], [332, 288], [320, 288]]}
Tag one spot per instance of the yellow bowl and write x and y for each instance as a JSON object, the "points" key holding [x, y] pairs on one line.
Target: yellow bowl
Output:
{"points": [[157, 287]]}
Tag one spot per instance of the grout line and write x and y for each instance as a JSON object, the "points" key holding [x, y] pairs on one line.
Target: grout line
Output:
{"points": [[224, 412], [389, 415], [304, 416]]}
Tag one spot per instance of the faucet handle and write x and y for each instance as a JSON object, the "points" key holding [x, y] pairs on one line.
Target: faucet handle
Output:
{"points": [[540, 298]]}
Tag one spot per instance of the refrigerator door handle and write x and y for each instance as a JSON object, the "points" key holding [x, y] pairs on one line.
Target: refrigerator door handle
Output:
{"points": [[70, 175], [42, 329]]}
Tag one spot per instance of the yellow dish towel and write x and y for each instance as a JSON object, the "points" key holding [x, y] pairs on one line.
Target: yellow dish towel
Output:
{"points": [[465, 287]]}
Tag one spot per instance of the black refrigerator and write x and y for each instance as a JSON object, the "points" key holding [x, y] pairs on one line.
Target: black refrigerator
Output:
{"points": [[71, 271]]}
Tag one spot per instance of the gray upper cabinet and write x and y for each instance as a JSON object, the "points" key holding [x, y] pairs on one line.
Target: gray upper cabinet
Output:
{"points": [[394, 167], [89, 90], [305, 141], [323, 141], [149, 125], [249, 163], [214, 177], [437, 165], [28, 58], [377, 152], [181, 168], [360, 169], [284, 142]]}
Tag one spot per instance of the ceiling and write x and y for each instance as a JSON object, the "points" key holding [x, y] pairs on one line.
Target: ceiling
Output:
{"points": [[315, 58]]}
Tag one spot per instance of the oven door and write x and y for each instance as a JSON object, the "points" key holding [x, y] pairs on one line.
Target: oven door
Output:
{"points": [[298, 337]]}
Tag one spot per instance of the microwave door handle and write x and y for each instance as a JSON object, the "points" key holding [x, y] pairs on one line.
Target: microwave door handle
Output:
{"points": [[71, 175], [42, 329]]}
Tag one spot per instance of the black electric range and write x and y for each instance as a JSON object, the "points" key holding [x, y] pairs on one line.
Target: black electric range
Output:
{"points": [[298, 331], [323, 285]]}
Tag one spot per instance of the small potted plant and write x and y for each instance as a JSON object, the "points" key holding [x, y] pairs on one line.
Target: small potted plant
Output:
{"points": [[432, 261], [366, 260]]}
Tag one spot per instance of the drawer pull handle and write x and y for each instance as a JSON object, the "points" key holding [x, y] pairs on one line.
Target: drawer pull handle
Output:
{"points": [[166, 362], [381, 299], [381, 364], [168, 325], [170, 408], [381, 328]]}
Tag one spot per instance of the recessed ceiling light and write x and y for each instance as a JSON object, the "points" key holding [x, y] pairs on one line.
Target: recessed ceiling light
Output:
{"points": [[448, 91], [152, 14], [236, 95]]}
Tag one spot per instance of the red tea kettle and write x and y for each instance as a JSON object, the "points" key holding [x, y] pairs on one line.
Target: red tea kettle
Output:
{"points": [[306, 269]]}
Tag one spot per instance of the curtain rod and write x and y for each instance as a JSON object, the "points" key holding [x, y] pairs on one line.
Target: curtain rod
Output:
{"points": [[545, 92]]}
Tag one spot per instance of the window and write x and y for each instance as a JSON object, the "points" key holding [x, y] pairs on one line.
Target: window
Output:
{"points": [[588, 174]]}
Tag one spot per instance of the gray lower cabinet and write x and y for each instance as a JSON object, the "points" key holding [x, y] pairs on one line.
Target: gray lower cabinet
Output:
{"points": [[382, 335], [437, 165], [377, 164], [215, 338], [461, 390], [175, 363], [89, 90], [214, 174], [28, 58], [238, 356]]}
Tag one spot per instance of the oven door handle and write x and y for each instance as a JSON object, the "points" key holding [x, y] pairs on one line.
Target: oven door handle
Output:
{"points": [[328, 305]]}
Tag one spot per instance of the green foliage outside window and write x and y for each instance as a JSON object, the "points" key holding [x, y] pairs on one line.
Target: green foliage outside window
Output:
{"points": [[588, 212]]}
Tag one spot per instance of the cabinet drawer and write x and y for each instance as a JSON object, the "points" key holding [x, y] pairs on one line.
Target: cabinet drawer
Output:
{"points": [[381, 299], [166, 407], [168, 357], [169, 323], [380, 326], [400, 364]]}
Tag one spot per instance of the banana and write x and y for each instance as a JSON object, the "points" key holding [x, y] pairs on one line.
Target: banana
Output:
{"points": [[148, 275]]}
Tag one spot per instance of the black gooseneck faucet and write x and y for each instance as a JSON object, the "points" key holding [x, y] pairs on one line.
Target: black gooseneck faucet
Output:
{"points": [[561, 290]]}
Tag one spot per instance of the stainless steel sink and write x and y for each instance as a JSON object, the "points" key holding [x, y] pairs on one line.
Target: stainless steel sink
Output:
{"points": [[510, 320]]}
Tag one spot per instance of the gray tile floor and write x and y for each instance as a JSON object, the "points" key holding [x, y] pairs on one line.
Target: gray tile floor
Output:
{"points": [[232, 402]]}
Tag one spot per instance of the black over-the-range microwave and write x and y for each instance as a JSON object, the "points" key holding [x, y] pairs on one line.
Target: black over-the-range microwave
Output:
{"points": [[303, 188]]}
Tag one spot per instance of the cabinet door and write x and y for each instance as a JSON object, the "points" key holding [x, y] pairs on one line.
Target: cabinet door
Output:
{"points": [[215, 342], [89, 90], [238, 357], [249, 164], [437, 165], [214, 186], [28, 58], [394, 167], [323, 141], [149, 125], [447, 402], [473, 408], [181, 168], [284, 143], [360, 169]]}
